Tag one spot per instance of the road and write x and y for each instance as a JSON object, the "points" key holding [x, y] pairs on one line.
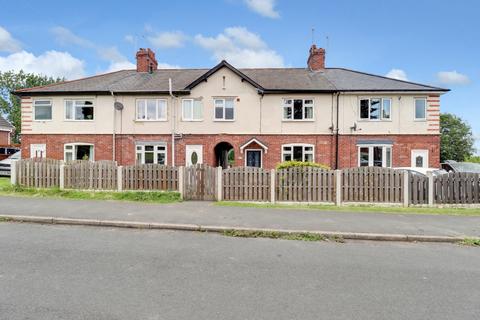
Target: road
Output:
{"points": [[65, 272]]}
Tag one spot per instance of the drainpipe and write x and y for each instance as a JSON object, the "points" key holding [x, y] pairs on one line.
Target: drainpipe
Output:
{"points": [[337, 129], [174, 114], [114, 125]]}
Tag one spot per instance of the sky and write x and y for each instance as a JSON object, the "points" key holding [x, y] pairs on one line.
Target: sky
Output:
{"points": [[433, 42]]}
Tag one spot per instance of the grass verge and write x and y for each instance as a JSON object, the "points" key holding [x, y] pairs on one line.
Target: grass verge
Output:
{"points": [[474, 242], [299, 236], [358, 208], [152, 197]]}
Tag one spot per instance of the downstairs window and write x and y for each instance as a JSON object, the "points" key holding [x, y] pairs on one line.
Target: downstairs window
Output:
{"points": [[78, 151], [375, 156], [300, 152], [146, 154]]}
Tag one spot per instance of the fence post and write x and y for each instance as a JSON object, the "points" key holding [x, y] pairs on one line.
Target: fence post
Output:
{"points": [[272, 185], [431, 198], [62, 177], [181, 173], [338, 187], [219, 183], [406, 189], [120, 178], [13, 172]]}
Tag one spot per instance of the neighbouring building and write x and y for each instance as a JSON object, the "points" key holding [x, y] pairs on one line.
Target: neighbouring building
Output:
{"points": [[6, 130], [234, 116]]}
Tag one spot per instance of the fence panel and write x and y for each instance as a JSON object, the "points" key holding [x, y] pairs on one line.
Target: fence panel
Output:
{"points": [[418, 189], [305, 185], [457, 188], [372, 184], [150, 177], [246, 183], [87, 175], [38, 173], [200, 182]]}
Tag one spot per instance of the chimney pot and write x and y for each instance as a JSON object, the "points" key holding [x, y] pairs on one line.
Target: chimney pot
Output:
{"points": [[146, 61], [316, 59]]}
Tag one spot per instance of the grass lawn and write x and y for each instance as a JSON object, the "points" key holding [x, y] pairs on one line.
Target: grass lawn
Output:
{"points": [[359, 208], [153, 196]]}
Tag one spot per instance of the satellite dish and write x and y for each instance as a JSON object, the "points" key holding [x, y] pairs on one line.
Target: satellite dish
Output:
{"points": [[118, 106]]}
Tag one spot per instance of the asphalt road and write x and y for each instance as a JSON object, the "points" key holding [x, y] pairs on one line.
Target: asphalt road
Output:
{"points": [[65, 272]]}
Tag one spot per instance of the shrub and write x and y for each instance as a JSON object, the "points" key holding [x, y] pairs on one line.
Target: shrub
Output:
{"points": [[300, 164]]}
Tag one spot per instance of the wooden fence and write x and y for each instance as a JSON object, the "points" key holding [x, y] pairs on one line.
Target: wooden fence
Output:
{"points": [[305, 184], [372, 184], [202, 182], [248, 184], [149, 177]]}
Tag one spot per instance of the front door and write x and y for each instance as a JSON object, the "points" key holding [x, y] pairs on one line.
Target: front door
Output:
{"points": [[193, 154], [253, 158], [420, 158]]}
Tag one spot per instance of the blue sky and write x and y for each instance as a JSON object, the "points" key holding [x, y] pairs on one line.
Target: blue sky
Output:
{"points": [[427, 41]]}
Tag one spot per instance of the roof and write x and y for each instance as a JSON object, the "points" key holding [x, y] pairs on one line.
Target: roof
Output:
{"points": [[268, 80], [4, 123]]}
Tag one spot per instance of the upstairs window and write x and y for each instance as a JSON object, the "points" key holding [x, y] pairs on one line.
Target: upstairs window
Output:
{"points": [[224, 109], [420, 108], [79, 110], [375, 109], [151, 154], [300, 152], [152, 109], [297, 109], [192, 110], [42, 110]]}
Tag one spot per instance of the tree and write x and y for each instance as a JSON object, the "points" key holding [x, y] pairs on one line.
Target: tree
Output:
{"points": [[456, 142], [10, 103]]}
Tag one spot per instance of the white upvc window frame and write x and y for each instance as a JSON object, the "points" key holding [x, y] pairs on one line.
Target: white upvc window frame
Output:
{"points": [[415, 109], [190, 118], [261, 157], [291, 105], [140, 151], [74, 145], [145, 109], [382, 111], [223, 99], [74, 109], [386, 161], [303, 145], [34, 108]]}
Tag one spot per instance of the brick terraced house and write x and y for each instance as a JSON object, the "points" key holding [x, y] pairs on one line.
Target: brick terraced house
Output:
{"points": [[229, 116], [6, 130]]}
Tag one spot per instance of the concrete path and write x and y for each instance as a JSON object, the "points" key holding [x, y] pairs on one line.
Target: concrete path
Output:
{"points": [[206, 213]]}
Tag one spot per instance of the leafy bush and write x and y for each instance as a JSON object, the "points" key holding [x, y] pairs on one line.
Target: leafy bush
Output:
{"points": [[300, 164], [474, 159]]}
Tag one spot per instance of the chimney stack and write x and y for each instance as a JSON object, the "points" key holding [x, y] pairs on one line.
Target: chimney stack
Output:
{"points": [[316, 59], [146, 61]]}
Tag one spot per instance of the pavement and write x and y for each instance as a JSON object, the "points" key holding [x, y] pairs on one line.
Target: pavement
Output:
{"points": [[76, 273], [208, 214]]}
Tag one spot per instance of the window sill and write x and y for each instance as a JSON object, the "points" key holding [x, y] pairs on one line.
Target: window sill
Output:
{"points": [[223, 120], [67, 120], [185, 120], [42, 120], [163, 120], [298, 120], [420, 120], [379, 120]]}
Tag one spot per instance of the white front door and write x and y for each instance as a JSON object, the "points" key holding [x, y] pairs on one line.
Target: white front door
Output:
{"points": [[420, 158], [38, 150], [193, 154]]}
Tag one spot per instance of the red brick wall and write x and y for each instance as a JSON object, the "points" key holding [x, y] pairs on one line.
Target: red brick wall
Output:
{"points": [[324, 147], [4, 140]]}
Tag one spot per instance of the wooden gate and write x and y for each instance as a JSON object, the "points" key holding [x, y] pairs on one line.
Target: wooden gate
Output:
{"points": [[200, 182]]}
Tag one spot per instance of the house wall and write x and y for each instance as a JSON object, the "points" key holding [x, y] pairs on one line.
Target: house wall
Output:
{"points": [[4, 137]]}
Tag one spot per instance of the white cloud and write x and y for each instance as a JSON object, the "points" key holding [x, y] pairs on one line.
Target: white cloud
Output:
{"points": [[398, 74], [51, 63], [130, 39], [65, 36], [7, 42], [452, 77], [173, 39], [265, 8], [241, 48]]}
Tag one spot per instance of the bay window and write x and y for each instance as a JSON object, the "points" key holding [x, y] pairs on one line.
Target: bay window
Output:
{"points": [[152, 109], [224, 109], [79, 110], [297, 109], [298, 152], [375, 108], [192, 110], [150, 153], [374, 156]]}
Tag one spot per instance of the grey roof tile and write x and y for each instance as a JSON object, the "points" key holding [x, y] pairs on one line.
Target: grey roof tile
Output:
{"points": [[4, 123]]}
